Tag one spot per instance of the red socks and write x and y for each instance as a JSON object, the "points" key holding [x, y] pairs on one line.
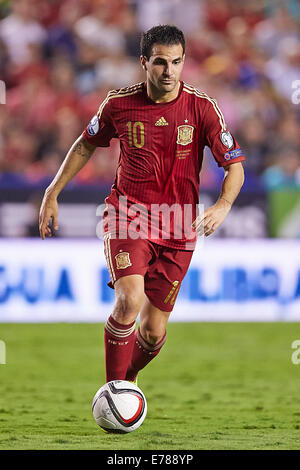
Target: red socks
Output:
{"points": [[126, 351], [119, 341], [143, 352]]}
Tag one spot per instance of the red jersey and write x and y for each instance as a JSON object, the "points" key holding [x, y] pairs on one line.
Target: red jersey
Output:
{"points": [[162, 146]]}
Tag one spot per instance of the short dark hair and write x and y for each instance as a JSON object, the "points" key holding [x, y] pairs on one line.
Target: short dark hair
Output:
{"points": [[163, 34]]}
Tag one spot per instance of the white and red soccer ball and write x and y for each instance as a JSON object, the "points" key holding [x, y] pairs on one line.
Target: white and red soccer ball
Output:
{"points": [[119, 406]]}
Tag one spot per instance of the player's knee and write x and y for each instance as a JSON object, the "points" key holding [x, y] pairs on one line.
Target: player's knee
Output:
{"points": [[127, 306], [153, 336]]}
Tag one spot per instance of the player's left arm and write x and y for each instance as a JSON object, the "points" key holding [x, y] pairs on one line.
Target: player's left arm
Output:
{"points": [[228, 155], [214, 216]]}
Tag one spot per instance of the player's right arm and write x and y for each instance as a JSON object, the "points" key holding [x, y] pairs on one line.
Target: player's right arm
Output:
{"points": [[76, 158], [98, 133]]}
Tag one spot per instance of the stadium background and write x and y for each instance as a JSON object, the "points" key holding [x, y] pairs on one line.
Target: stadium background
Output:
{"points": [[58, 59]]}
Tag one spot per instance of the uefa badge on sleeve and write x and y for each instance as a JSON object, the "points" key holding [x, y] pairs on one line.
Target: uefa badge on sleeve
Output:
{"points": [[226, 139], [93, 126]]}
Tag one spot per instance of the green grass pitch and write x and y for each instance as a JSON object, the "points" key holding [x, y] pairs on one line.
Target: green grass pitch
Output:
{"points": [[213, 386]]}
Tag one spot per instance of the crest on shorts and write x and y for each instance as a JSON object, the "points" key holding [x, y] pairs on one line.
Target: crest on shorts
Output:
{"points": [[123, 260], [184, 134]]}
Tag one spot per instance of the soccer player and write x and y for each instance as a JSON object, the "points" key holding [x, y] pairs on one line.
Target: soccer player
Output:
{"points": [[163, 125]]}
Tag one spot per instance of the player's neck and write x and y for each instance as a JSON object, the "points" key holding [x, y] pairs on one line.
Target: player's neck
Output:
{"points": [[159, 97]]}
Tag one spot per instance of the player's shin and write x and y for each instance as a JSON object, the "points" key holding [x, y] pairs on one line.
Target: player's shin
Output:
{"points": [[143, 352], [119, 341]]}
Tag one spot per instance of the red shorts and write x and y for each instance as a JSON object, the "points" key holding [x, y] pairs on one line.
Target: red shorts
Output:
{"points": [[163, 268]]}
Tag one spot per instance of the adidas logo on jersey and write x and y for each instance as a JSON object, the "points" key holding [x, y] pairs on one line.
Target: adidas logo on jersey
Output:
{"points": [[161, 122]]}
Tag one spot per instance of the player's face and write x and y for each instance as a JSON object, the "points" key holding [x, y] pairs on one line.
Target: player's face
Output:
{"points": [[164, 67]]}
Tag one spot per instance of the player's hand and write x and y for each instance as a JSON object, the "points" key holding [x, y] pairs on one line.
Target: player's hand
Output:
{"points": [[48, 212], [211, 218]]}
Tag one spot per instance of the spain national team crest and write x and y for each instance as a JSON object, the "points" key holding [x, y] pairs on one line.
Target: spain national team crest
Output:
{"points": [[184, 134], [123, 260]]}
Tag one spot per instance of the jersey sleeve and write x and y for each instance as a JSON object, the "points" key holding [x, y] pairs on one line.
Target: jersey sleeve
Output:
{"points": [[223, 145], [101, 129]]}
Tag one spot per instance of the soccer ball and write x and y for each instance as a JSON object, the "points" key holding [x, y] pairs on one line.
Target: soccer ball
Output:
{"points": [[119, 407]]}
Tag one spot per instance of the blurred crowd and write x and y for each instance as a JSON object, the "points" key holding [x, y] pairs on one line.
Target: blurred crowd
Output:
{"points": [[58, 59]]}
